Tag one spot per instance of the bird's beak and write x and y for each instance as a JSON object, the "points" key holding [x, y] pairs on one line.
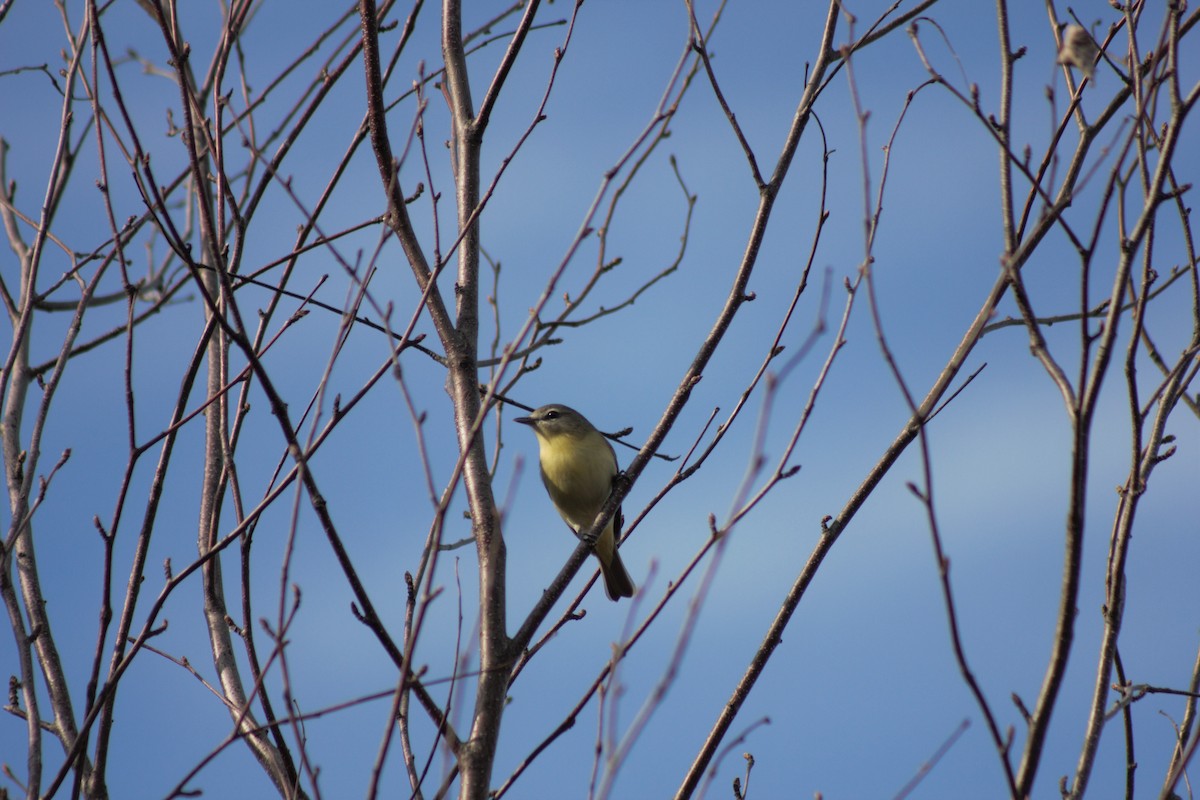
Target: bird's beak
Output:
{"points": [[525, 420]]}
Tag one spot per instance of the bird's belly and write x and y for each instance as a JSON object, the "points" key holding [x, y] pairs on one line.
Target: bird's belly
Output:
{"points": [[577, 489]]}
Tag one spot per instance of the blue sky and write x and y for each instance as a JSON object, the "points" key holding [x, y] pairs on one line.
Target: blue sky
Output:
{"points": [[864, 689]]}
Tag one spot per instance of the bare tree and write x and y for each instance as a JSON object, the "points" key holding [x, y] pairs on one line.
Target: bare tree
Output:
{"points": [[268, 287]]}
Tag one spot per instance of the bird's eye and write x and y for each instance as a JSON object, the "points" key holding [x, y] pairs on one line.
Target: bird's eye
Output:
{"points": [[551, 414]]}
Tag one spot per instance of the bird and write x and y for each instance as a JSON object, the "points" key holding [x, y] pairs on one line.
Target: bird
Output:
{"points": [[1078, 50], [578, 465]]}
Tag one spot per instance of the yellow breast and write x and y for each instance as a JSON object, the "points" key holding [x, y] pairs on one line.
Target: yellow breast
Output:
{"points": [[578, 473]]}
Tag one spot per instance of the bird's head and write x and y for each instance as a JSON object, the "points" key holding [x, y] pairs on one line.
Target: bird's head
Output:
{"points": [[555, 420]]}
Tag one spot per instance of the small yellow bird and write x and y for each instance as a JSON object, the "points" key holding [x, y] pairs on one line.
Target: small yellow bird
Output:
{"points": [[578, 466]]}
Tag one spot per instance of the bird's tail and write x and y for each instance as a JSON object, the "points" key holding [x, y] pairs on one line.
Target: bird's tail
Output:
{"points": [[617, 583]]}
